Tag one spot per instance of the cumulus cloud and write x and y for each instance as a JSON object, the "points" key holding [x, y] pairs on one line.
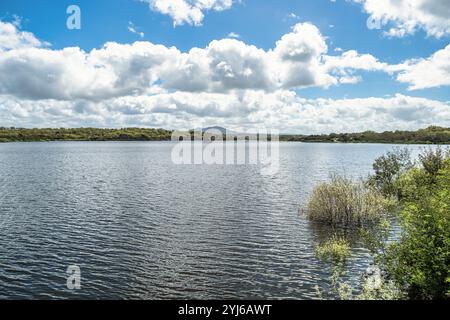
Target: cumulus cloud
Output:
{"points": [[427, 73], [243, 110], [343, 67], [298, 60], [403, 17], [228, 83], [188, 11], [299, 54], [353, 60], [71, 73], [12, 38]]}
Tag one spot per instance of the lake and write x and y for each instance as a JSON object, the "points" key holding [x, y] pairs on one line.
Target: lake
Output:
{"points": [[141, 227]]}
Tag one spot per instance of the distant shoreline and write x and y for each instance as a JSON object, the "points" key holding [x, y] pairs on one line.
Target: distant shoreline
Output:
{"points": [[282, 141], [430, 135]]}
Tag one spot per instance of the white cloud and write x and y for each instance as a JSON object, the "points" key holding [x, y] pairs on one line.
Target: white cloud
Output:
{"points": [[234, 35], [298, 55], [235, 65], [298, 60], [12, 38], [133, 29], [427, 73], [71, 73], [350, 79], [343, 66], [422, 73], [239, 110], [228, 82], [188, 11], [404, 17]]}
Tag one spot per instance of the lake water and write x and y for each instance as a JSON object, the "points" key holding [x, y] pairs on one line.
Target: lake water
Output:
{"points": [[141, 227]]}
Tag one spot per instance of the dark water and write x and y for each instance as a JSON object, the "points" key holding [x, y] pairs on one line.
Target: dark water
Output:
{"points": [[141, 227]]}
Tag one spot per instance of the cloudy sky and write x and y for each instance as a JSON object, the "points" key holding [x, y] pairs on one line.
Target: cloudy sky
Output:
{"points": [[298, 66]]}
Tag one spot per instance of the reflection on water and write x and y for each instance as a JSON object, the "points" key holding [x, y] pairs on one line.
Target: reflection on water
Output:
{"points": [[142, 227]]}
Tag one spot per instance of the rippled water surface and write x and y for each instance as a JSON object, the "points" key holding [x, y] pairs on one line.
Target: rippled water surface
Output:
{"points": [[141, 227]]}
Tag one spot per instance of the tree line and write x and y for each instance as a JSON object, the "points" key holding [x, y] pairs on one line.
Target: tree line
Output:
{"points": [[83, 134], [430, 135]]}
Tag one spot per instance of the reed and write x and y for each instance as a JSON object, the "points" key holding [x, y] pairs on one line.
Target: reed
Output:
{"points": [[343, 201]]}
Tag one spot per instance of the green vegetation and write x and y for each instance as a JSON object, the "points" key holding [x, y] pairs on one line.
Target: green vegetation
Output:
{"points": [[344, 202], [388, 168], [430, 135], [420, 261], [375, 286], [417, 264], [83, 134], [336, 250]]}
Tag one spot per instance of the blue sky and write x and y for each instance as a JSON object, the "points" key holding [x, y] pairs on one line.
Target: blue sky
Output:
{"points": [[261, 23]]}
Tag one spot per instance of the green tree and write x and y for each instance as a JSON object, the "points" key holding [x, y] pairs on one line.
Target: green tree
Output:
{"points": [[432, 161], [388, 168], [420, 261]]}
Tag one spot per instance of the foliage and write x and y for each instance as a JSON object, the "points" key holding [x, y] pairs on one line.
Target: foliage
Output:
{"points": [[432, 161], [376, 284], [376, 238], [335, 250], [417, 264], [430, 135], [420, 260], [419, 182], [342, 201], [83, 134], [413, 185], [387, 169]]}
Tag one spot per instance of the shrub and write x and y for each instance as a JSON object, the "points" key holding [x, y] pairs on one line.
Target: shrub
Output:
{"points": [[417, 264], [388, 169], [342, 201], [413, 185], [418, 182], [335, 250], [432, 161], [420, 261]]}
